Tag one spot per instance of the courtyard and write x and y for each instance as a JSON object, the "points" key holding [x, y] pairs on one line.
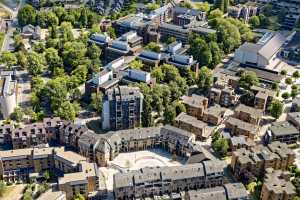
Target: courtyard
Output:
{"points": [[125, 162]]}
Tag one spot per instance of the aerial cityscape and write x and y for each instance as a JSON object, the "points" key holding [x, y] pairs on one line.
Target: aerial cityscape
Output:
{"points": [[150, 99]]}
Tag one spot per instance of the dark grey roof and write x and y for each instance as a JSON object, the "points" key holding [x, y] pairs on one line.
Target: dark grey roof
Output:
{"points": [[283, 128], [236, 191], [216, 193], [183, 10], [295, 42], [272, 46]]}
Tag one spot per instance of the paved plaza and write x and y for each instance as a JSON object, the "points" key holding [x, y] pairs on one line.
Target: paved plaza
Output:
{"points": [[136, 160]]}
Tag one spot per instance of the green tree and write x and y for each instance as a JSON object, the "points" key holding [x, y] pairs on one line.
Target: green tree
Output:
{"points": [[205, 78], [96, 101], [169, 114], [68, 110], [170, 72], [296, 74], [83, 19], [226, 5], [200, 51], [2, 188], [53, 59], [136, 64], [18, 42], [283, 72], [26, 15], [65, 32], [36, 63], [288, 81], [22, 59], [276, 108], [254, 21], [111, 32], [73, 54], [228, 33], [46, 175], [147, 119], [79, 196], [39, 47], [220, 145], [255, 189], [275, 86], [152, 6], [9, 59], [248, 79], [46, 19], [158, 74], [217, 13], [220, 4], [217, 54], [186, 4], [294, 92], [285, 95], [203, 6], [94, 52], [179, 107], [17, 115], [152, 46], [27, 196], [95, 29], [170, 40]]}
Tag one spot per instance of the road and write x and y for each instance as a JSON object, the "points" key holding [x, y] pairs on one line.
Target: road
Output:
{"points": [[8, 40]]}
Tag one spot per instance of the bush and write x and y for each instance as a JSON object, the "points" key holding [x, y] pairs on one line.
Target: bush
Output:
{"points": [[288, 81], [285, 95], [283, 72]]}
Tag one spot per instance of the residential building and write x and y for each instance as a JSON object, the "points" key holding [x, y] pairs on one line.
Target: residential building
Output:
{"points": [[277, 185], [249, 164], [125, 45], [294, 118], [225, 96], [295, 105], [151, 59], [248, 114], [32, 32], [291, 50], [238, 127], [165, 180], [229, 191], [109, 77], [292, 12], [192, 124], [78, 175], [101, 40], [237, 142], [226, 80], [184, 62], [69, 133], [134, 75], [105, 148], [167, 30], [195, 105], [282, 131], [262, 53], [243, 12], [122, 108], [263, 97], [8, 97], [184, 16], [214, 115], [29, 136]]}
